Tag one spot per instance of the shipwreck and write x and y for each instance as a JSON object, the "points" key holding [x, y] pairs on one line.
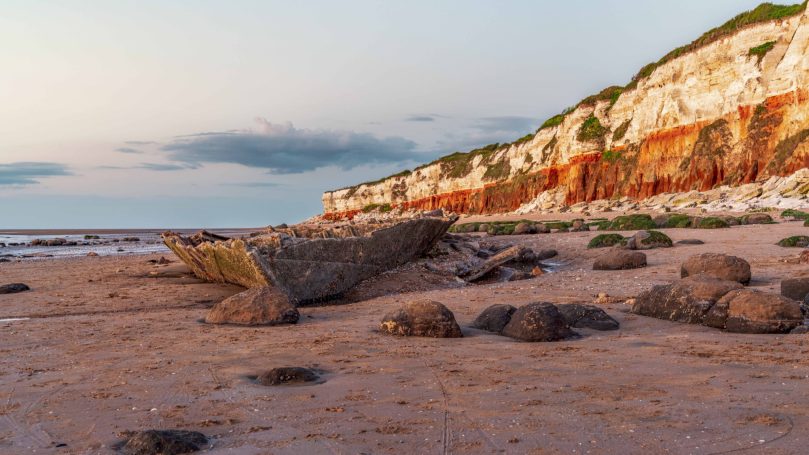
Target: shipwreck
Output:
{"points": [[309, 263]]}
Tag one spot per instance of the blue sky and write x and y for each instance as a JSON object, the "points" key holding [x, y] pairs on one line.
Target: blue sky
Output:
{"points": [[240, 113]]}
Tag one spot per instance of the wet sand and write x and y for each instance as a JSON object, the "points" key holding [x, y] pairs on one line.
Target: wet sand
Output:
{"points": [[115, 343]]}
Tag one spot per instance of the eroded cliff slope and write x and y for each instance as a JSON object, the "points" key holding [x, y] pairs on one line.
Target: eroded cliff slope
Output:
{"points": [[729, 109]]}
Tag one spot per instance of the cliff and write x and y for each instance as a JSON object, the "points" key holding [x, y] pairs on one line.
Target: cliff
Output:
{"points": [[729, 109]]}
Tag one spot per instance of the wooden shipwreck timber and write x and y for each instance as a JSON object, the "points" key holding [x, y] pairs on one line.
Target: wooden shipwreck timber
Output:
{"points": [[308, 263]]}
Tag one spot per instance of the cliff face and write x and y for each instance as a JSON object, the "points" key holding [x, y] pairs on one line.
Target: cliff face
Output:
{"points": [[730, 112]]}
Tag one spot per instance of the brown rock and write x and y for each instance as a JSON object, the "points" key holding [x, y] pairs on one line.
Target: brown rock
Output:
{"points": [[494, 318], [620, 260], [688, 300], [749, 311], [421, 318], [524, 228], [256, 306], [795, 288], [538, 322], [715, 265], [14, 288]]}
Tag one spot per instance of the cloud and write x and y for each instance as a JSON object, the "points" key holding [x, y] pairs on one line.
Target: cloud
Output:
{"points": [[27, 173], [136, 143], [284, 149], [420, 118], [128, 150], [164, 167]]}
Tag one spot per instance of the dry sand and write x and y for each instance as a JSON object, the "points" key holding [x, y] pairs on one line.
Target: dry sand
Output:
{"points": [[110, 348]]}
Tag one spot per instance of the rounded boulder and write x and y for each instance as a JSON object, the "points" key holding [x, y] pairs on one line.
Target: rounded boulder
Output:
{"points": [[421, 318]]}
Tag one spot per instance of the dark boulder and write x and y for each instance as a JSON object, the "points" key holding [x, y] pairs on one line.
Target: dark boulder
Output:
{"points": [[524, 228], [620, 260], [756, 218], [690, 242], [796, 241], [579, 315], [715, 265], [795, 288], [494, 318], [421, 318], [256, 306], [163, 442], [749, 311], [13, 288], [287, 375], [688, 300], [538, 322]]}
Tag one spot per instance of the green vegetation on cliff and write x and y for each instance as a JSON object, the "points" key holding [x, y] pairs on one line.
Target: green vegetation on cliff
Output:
{"points": [[762, 50]]}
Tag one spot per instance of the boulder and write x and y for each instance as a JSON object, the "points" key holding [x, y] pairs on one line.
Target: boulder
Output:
{"points": [[538, 322], [620, 260], [421, 318], [494, 318], [579, 315], [749, 311], [796, 241], [579, 226], [163, 442], [13, 288], [524, 228], [687, 300], [606, 240], [715, 265], [542, 229], [795, 288], [756, 218], [287, 375], [690, 242], [256, 306], [800, 330], [647, 240]]}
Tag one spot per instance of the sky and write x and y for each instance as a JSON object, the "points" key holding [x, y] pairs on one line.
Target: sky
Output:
{"points": [[191, 114]]}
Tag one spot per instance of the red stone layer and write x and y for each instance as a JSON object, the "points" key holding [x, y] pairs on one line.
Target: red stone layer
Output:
{"points": [[698, 156]]}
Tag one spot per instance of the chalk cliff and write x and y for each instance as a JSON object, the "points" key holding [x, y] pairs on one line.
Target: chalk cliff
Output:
{"points": [[729, 109]]}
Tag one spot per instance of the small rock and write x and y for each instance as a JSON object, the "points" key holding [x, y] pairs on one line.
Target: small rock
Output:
{"points": [[92, 254], [690, 242], [715, 265], [620, 260], [537, 271], [494, 318], [287, 375], [163, 442], [579, 315], [538, 322], [524, 228], [800, 330], [14, 288], [602, 298], [542, 229], [256, 306], [421, 318]]}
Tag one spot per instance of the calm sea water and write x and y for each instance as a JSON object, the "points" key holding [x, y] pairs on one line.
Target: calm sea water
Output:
{"points": [[150, 242]]}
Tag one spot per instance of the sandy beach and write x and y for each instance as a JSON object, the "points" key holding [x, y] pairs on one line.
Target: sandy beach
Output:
{"points": [[116, 343]]}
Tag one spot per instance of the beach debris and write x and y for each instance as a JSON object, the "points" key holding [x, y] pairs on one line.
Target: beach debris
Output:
{"points": [[162, 442], [13, 288], [308, 262], [494, 318], [722, 266], [287, 376], [751, 311], [256, 306], [620, 260], [92, 254], [538, 322], [579, 315], [687, 300], [421, 318]]}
